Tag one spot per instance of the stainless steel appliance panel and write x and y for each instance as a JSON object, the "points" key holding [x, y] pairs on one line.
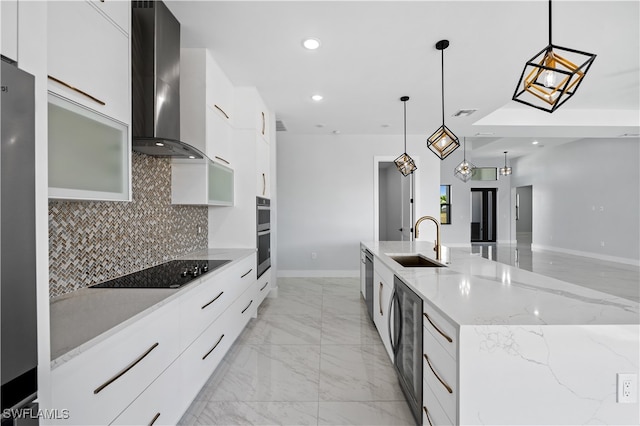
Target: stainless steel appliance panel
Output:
{"points": [[407, 344], [19, 344], [368, 282], [263, 234]]}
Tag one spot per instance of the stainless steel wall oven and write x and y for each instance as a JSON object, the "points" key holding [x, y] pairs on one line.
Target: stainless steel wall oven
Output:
{"points": [[263, 231]]}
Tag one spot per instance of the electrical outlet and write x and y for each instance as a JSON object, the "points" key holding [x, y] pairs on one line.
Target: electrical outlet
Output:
{"points": [[314, 255], [601, 243], [627, 388]]}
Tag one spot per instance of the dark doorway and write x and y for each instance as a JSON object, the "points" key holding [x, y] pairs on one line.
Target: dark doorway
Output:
{"points": [[483, 215]]}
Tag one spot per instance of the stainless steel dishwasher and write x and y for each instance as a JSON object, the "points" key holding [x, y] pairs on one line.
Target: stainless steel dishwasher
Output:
{"points": [[368, 290]]}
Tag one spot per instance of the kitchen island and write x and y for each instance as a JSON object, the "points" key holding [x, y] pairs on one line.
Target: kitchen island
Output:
{"points": [[526, 349]]}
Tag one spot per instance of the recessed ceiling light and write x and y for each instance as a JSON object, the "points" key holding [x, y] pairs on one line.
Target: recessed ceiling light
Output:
{"points": [[320, 125], [311, 43], [535, 142], [317, 98], [336, 132], [385, 125]]}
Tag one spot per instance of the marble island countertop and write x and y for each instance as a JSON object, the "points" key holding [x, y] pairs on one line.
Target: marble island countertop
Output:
{"points": [[472, 290], [87, 316]]}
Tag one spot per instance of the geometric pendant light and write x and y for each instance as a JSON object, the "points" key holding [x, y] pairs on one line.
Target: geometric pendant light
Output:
{"points": [[404, 163], [464, 170], [505, 171], [443, 142], [552, 76]]}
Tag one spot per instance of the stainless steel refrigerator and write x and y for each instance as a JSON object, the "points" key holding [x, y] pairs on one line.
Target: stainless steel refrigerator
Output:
{"points": [[18, 343]]}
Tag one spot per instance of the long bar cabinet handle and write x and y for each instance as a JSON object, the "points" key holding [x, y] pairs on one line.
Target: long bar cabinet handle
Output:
{"points": [[213, 300], [264, 184], [127, 368], [75, 89], [221, 110], [245, 309], [447, 387], [222, 159], [264, 286], [380, 297], [437, 329], [154, 419], [426, 412], [263, 122], [213, 348], [247, 273]]}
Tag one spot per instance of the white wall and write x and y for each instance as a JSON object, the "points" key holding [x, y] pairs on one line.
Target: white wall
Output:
{"points": [[458, 233], [584, 193], [326, 197]]}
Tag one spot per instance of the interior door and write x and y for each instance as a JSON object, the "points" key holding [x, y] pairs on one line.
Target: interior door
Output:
{"points": [[483, 215], [395, 197]]}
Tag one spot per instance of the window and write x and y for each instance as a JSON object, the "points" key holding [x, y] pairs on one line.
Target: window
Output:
{"points": [[445, 204]]}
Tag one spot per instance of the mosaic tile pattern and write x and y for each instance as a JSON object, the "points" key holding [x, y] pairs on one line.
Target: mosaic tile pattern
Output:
{"points": [[91, 242]]}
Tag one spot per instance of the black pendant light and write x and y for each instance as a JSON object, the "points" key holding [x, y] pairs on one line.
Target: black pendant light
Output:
{"points": [[443, 142], [505, 171], [464, 170], [404, 163], [552, 76]]}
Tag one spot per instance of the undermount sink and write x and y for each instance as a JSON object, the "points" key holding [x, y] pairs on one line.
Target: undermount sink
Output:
{"points": [[415, 261]]}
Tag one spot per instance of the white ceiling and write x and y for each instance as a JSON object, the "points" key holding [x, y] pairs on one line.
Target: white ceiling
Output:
{"points": [[373, 52]]}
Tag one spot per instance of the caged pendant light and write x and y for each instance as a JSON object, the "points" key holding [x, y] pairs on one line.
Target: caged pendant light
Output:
{"points": [[404, 163], [464, 170], [443, 142], [505, 171], [552, 76]]}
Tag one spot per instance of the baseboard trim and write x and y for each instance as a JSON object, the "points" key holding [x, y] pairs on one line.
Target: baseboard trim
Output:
{"points": [[623, 260], [318, 273]]}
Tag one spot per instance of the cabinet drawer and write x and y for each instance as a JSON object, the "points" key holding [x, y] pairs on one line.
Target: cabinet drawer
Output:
{"points": [[432, 412], [157, 405], [200, 359], [101, 382], [211, 298], [440, 374], [263, 286], [442, 330]]}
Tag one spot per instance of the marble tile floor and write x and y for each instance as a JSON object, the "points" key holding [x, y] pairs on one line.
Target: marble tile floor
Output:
{"points": [[312, 357], [614, 278]]}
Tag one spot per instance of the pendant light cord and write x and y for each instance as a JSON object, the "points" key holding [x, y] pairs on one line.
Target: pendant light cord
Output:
{"points": [[405, 126], [549, 22], [442, 69]]}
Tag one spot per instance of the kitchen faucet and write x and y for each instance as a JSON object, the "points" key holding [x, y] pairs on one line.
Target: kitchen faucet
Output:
{"points": [[433, 219]]}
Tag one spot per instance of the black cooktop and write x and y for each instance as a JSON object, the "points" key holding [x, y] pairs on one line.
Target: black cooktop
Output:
{"points": [[173, 274]]}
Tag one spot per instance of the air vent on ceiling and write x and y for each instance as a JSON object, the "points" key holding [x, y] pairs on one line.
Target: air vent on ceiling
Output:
{"points": [[464, 112], [280, 127]]}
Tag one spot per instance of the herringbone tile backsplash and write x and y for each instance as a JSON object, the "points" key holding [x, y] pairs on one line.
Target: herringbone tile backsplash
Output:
{"points": [[91, 242]]}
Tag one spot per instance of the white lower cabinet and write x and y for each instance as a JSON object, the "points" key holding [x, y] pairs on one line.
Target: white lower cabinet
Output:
{"points": [[432, 413], [382, 293], [156, 405], [439, 367], [98, 384], [151, 371]]}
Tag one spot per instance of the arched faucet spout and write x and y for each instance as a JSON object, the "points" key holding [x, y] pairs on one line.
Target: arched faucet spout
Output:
{"points": [[417, 232]]}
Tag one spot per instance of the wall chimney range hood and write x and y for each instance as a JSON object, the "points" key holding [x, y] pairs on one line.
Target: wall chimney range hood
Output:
{"points": [[155, 73]]}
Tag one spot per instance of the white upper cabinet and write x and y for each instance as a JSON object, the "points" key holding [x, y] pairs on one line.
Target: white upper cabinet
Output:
{"points": [[9, 18], [206, 105], [251, 112], [89, 56]]}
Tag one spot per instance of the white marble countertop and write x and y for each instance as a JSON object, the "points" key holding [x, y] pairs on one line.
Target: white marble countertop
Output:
{"points": [[87, 316], [472, 290]]}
